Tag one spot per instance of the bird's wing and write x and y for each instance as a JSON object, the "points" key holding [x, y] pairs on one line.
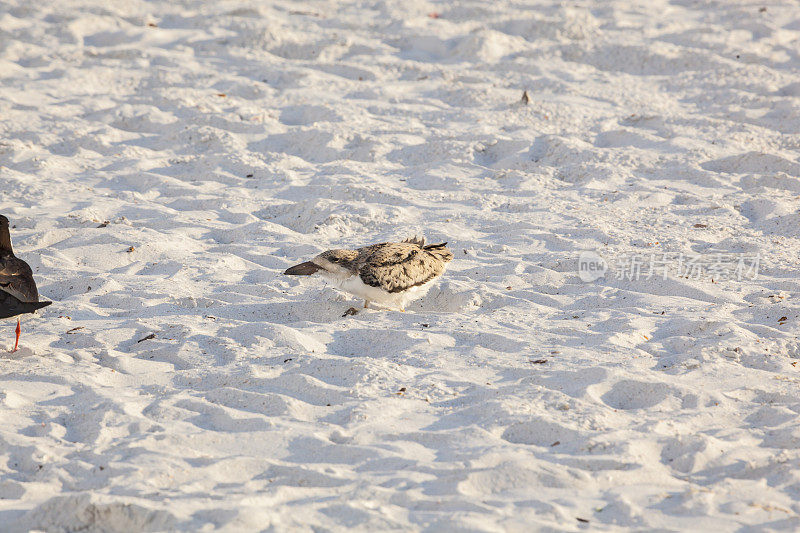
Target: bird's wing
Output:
{"points": [[395, 267], [16, 278]]}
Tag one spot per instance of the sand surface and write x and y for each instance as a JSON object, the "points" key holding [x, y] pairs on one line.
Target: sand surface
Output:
{"points": [[163, 162]]}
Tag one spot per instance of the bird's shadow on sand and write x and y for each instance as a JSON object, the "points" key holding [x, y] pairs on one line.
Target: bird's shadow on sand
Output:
{"points": [[321, 312], [22, 352], [329, 311]]}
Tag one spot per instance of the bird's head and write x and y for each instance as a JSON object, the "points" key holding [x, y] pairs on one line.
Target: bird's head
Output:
{"points": [[5, 237], [334, 263]]}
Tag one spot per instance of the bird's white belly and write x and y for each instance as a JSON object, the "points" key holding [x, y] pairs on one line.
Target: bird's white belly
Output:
{"points": [[356, 287]]}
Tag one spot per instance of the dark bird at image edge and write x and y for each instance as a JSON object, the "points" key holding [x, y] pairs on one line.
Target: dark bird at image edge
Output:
{"points": [[18, 293]]}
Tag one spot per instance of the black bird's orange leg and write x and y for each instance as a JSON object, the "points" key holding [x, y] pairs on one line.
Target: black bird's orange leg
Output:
{"points": [[19, 330]]}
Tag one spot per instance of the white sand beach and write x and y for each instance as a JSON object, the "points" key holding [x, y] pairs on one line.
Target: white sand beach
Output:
{"points": [[162, 163]]}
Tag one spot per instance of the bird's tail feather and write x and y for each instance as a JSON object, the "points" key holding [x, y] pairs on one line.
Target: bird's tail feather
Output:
{"points": [[440, 251], [35, 306]]}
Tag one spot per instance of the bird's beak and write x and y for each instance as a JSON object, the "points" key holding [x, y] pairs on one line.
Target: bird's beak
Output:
{"points": [[303, 269]]}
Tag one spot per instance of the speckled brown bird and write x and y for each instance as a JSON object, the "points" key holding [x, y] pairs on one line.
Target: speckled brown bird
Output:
{"points": [[18, 293], [390, 274]]}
